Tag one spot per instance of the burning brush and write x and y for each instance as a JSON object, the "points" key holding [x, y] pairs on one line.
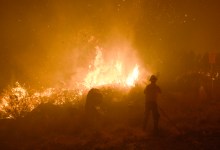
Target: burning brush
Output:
{"points": [[17, 101]]}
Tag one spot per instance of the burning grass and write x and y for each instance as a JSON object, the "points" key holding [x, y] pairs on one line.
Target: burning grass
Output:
{"points": [[17, 101]]}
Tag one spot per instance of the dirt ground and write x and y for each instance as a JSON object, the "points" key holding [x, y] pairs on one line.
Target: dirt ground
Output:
{"points": [[186, 123]]}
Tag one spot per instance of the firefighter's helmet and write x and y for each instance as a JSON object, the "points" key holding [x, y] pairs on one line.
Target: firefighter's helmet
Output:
{"points": [[153, 78]]}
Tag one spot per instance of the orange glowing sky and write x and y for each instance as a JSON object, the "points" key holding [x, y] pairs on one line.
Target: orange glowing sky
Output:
{"points": [[44, 42]]}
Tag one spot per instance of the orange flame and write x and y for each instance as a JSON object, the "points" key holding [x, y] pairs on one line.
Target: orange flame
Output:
{"points": [[104, 73], [133, 77]]}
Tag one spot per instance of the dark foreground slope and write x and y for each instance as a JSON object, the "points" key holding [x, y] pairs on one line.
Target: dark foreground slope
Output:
{"points": [[186, 123]]}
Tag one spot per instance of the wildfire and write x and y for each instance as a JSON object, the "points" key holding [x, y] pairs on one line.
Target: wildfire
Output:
{"points": [[105, 73], [133, 77], [16, 101]]}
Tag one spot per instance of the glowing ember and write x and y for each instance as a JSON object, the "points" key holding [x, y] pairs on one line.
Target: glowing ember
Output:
{"points": [[18, 91], [46, 93], [16, 101]]}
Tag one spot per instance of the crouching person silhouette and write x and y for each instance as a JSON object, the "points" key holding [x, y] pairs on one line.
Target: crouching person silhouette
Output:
{"points": [[93, 109]]}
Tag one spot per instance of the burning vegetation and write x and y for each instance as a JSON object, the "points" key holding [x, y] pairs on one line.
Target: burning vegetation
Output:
{"points": [[18, 100], [52, 53]]}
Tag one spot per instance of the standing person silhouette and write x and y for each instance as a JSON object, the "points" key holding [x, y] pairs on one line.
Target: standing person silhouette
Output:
{"points": [[151, 93]]}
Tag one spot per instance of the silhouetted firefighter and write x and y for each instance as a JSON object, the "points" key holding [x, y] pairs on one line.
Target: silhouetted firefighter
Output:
{"points": [[92, 107], [151, 93]]}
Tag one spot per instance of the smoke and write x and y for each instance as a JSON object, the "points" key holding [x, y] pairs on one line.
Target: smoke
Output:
{"points": [[45, 42]]}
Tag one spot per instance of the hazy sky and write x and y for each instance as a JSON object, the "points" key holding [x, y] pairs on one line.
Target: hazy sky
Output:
{"points": [[38, 36]]}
